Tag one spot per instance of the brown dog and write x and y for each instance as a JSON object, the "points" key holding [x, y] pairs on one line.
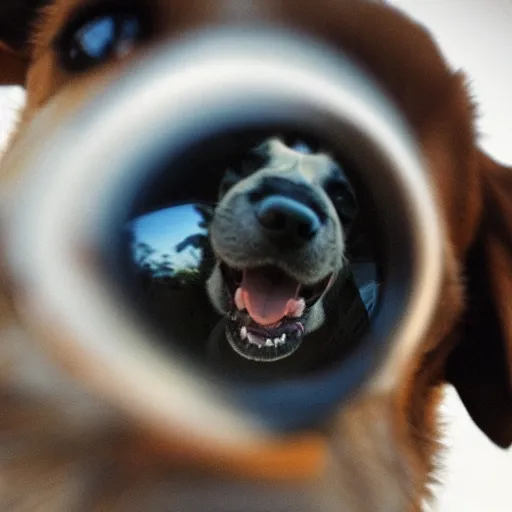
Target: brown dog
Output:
{"points": [[60, 449]]}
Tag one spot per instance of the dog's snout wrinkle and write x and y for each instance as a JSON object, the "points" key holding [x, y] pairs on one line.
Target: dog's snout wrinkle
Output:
{"points": [[287, 218]]}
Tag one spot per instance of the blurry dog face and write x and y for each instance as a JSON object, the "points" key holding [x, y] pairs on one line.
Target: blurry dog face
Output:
{"points": [[65, 51], [278, 234]]}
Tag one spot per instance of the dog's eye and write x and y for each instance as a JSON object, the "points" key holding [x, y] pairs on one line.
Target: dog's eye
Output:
{"points": [[109, 35], [343, 199]]}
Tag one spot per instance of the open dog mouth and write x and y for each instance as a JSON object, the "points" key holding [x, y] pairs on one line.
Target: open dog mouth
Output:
{"points": [[266, 322]]}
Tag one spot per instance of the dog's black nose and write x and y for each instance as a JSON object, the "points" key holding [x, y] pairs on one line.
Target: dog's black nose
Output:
{"points": [[287, 218]]}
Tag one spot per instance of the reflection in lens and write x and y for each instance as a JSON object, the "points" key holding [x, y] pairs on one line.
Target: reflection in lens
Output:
{"points": [[268, 275], [176, 254]]}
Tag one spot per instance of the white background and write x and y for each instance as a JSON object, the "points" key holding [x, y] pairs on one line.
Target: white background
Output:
{"points": [[475, 35]]}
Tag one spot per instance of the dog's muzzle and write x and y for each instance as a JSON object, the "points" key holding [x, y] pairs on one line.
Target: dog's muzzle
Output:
{"points": [[158, 140]]}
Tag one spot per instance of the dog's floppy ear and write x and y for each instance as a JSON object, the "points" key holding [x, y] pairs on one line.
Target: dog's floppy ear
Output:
{"points": [[480, 368], [16, 21]]}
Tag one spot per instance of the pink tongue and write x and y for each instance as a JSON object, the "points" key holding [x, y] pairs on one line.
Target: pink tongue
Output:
{"points": [[268, 295]]}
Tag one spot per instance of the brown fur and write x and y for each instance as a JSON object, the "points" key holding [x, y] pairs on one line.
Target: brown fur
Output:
{"points": [[61, 449]]}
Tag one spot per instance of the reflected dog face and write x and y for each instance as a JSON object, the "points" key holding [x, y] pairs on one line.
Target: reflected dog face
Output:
{"points": [[278, 235], [69, 451]]}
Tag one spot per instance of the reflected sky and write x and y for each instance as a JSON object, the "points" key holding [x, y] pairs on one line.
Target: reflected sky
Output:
{"points": [[164, 230]]}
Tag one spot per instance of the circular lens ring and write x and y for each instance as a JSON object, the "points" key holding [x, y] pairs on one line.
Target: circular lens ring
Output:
{"points": [[212, 83]]}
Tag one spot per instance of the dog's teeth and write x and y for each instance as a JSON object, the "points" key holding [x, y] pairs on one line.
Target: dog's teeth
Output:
{"points": [[243, 333], [239, 301], [283, 337], [277, 341], [253, 340], [269, 343]]}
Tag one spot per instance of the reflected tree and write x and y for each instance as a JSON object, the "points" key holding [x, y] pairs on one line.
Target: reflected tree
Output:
{"points": [[156, 269], [201, 242]]}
